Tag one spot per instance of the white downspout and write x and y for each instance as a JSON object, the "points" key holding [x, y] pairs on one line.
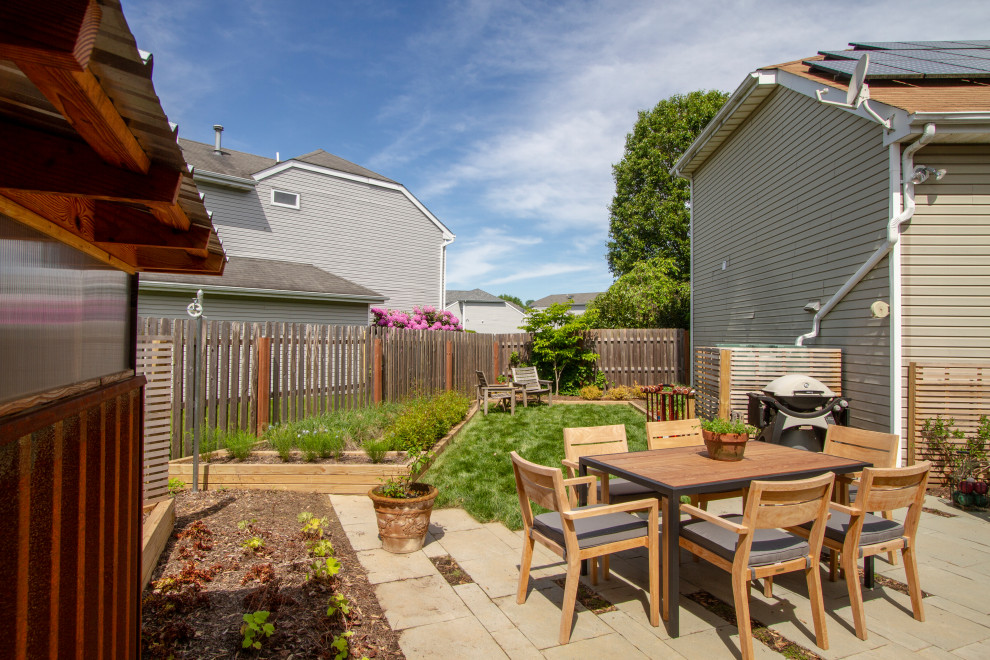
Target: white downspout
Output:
{"points": [[690, 365], [893, 233]]}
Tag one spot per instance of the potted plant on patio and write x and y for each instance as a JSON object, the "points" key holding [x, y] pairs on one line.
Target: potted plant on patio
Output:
{"points": [[725, 439], [403, 508]]}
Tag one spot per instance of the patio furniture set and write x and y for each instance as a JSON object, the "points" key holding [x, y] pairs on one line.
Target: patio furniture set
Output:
{"points": [[526, 382], [795, 503]]}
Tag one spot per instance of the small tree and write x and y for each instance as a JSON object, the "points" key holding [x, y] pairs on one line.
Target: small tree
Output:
{"points": [[558, 341], [652, 295]]}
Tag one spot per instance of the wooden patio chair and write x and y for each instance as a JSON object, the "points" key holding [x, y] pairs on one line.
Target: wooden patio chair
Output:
{"points": [[854, 532], [880, 449], [497, 393], [594, 441], [579, 533], [683, 433], [535, 386], [753, 546]]}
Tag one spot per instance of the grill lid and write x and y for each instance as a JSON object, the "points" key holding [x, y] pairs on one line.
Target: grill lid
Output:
{"points": [[799, 392]]}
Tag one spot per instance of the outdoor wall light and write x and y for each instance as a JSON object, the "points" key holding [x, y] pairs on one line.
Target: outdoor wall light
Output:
{"points": [[922, 172]]}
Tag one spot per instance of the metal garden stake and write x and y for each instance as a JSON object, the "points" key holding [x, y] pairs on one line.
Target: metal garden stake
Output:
{"points": [[195, 310]]}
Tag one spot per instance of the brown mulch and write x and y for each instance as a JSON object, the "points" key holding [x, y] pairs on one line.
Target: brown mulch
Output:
{"points": [[207, 580], [451, 570]]}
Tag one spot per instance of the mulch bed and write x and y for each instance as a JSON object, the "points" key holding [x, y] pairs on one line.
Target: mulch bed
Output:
{"points": [[451, 570], [207, 580], [268, 459]]}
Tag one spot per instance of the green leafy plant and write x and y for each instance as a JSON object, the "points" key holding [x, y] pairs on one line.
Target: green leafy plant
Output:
{"points": [[282, 438], [305, 516], [559, 344], [339, 644], [338, 603], [255, 628], [403, 487], [175, 486], [254, 543], [622, 393], [238, 443], [323, 568], [313, 527], [424, 420], [321, 548], [719, 425], [943, 442], [590, 392], [244, 524], [376, 449]]}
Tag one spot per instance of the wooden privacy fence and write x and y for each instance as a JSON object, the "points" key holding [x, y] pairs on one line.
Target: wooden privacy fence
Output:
{"points": [[299, 370], [154, 362], [723, 375], [957, 390]]}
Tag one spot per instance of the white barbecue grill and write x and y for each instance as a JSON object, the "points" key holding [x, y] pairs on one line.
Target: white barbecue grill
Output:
{"points": [[796, 411]]}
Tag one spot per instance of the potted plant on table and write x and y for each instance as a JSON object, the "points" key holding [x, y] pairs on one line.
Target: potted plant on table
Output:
{"points": [[726, 439], [403, 508]]}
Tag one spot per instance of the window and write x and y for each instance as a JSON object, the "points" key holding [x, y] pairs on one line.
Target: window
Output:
{"points": [[287, 199]]}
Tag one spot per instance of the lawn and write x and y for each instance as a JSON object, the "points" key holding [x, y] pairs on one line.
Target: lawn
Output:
{"points": [[475, 472]]}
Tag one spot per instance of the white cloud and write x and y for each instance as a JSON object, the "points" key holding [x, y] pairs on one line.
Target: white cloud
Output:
{"points": [[546, 270]]}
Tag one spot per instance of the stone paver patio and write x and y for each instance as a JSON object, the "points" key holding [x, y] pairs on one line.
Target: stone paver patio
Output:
{"points": [[483, 620]]}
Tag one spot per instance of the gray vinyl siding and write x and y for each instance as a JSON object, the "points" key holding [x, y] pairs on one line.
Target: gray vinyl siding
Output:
{"points": [[945, 261], [370, 235], [492, 318], [794, 202], [241, 308]]}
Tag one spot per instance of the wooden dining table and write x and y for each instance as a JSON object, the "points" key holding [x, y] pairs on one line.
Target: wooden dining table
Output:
{"points": [[690, 471]]}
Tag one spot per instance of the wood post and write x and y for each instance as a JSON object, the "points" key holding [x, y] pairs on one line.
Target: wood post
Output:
{"points": [[690, 407], [262, 403], [495, 367], [912, 408], [376, 369], [687, 376], [725, 383], [449, 366]]}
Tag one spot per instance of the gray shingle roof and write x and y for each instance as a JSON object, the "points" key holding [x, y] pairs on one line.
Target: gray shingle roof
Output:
{"points": [[241, 164], [576, 298], [268, 274], [477, 295]]}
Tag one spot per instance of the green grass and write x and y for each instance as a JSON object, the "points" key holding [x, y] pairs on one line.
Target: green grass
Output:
{"points": [[475, 472]]}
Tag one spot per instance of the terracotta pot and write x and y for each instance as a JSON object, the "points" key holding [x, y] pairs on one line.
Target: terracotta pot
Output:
{"points": [[402, 522], [725, 446]]}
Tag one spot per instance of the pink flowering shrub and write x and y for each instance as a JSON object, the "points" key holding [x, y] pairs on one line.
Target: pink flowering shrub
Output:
{"points": [[422, 318]]}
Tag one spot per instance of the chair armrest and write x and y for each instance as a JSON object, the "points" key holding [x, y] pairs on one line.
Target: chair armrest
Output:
{"points": [[842, 508], [695, 512], [548, 383], [583, 481], [625, 507]]}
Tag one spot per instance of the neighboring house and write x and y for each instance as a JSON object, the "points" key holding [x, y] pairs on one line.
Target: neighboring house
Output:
{"points": [[791, 203], [323, 210], [580, 301], [261, 290], [482, 312]]}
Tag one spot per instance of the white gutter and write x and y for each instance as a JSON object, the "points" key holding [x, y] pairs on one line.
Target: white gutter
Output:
{"points": [[893, 233], [224, 180], [146, 285]]}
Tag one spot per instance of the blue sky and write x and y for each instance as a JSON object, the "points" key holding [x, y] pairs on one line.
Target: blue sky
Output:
{"points": [[503, 117]]}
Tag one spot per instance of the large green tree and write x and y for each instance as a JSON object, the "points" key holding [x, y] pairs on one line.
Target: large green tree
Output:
{"points": [[559, 345], [512, 299], [651, 295], [648, 216]]}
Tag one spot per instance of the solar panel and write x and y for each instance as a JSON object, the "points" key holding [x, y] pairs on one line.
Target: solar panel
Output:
{"points": [[876, 71], [911, 59]]}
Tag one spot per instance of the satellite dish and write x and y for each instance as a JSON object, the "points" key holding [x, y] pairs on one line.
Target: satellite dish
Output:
{"points": [[856, 95]]}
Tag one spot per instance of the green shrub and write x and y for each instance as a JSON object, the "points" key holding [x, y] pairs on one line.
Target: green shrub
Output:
{"points": [[424, 420], [282, 439], [209, 442], [239, 444], [621, 393], [590, 392], [376, 449]]}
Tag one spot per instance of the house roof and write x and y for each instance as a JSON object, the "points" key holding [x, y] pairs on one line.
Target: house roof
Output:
{"points": [[245, 274], [242, 164], [478, 295], [98, 166], [576, 298], [959, 104]]}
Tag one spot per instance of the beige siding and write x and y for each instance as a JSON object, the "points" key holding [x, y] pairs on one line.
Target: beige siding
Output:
{"points": [[945, 272], [491, 318], [239, 308], [794, 203], [373, 236]]}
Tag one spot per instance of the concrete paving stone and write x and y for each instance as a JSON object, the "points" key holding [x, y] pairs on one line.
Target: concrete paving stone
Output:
{"points": [[635, 632], [606, 646], [458, 638], [515, 645], [693, 617], [363, 536], [935, 653], [507, 536], [419, 601], [432, 547], [891, 617], [385, 566], [721, 642], [498, 576], [452, 520], [473, 544], [353, 509], [976, 651], [957, 609], [889, 651], [539, 618], [960, 552], [966, 590], [487, 612]]}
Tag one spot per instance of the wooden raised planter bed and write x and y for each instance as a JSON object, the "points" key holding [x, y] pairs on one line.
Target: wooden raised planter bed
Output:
{"points": [[337, 478], [157, 528]]}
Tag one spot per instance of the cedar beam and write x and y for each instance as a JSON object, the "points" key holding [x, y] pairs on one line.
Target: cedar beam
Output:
{"points": [[80, 98], [170, 215], [153, 259], [40, 162], [58, 33], [120, 225]]}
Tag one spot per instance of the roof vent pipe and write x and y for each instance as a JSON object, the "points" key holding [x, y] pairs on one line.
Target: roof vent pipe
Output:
{"points": [[893, 232], [217, 129]]}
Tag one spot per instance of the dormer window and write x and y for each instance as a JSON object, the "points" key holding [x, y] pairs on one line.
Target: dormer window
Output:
{"points": [[287, 199]]}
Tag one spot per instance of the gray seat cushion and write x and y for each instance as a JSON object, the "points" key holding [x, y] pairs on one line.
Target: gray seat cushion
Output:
{"points": [[623, 490], [875, 528], [594, 531], [769, 545]]}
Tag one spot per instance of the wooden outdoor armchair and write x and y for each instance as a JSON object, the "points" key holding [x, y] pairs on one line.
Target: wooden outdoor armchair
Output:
{"points": [[579, 533], [683, 433], [854, 532], [535, 386], [497, 393], [594, 441], [753, 546]]}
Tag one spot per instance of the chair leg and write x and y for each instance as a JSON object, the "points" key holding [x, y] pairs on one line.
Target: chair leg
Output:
{"points": [[914, 584], [817, 605], [570, 597], [524, 564], [833, 565], [740, 594], [768, 586], [593, 567], [892, 555], [851, 570], [605, 568], [654, 559]]}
